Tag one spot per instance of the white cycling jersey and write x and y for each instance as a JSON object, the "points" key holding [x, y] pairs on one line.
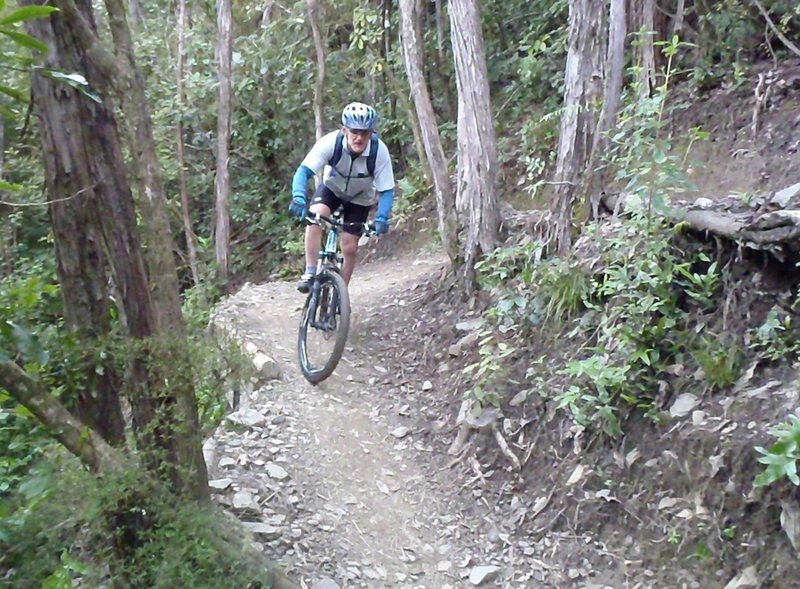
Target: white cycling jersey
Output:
{"points": [[349, 179]]}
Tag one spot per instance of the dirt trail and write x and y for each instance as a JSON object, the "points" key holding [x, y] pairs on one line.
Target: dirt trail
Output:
{"points": [[358, 504]]}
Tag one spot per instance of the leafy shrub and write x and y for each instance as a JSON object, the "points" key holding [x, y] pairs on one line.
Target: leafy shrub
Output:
{"points": [[166, 543], [781, 458], [720, 359], [774, 339]]}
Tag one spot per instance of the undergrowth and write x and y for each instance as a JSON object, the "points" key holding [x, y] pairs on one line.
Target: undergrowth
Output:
{"points": [[116, 531], [635, 310]]}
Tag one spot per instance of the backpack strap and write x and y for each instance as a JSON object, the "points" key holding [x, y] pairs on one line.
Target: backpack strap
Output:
{"points": [[337, 150], [372, 156]]}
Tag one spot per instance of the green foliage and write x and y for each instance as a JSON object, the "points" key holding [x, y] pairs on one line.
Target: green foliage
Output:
{"points": [[28, 311], [720, 359], [642, 154], [17, 47], [775, 339], [489, 371], [592, 401], [729, 35], [66, 527], [414, 190], [781, 458], [631, 313]]}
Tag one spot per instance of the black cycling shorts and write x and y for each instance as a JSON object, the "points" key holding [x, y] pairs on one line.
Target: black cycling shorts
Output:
{"points": [[354, 216]]}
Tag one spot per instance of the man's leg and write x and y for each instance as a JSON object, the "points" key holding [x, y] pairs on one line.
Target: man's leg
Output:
{"points": [[323, 202], [354, 217], [350, 253], [314, 237]]}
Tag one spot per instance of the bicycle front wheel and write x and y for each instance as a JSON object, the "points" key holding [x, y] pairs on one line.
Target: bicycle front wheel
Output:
{"points": [[324, 325]]}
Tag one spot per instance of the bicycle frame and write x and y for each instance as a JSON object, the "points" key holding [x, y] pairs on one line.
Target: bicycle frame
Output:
{"points": [[330, 257], [330, 253]]}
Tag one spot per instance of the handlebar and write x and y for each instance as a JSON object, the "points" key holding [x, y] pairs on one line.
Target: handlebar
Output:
{"points": [[367, 229]]}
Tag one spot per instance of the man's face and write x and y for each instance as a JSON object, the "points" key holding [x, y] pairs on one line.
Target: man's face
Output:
{"points": [[357, 139]]}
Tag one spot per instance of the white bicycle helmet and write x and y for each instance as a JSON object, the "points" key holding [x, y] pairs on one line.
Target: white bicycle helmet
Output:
{"points": [[359, 116]]}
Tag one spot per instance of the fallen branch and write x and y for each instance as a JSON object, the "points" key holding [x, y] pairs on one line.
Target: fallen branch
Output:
{"points": [[76, 437], [760, 226], [501, 441]]}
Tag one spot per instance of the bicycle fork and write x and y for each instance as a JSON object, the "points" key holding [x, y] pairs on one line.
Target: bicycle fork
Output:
{"points": [[326, 320]]}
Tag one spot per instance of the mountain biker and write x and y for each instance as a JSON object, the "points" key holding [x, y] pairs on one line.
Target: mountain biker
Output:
{"points": [[355, 184]]}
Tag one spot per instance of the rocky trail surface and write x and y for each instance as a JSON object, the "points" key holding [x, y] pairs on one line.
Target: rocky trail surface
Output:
{"points": [[333, 481]]}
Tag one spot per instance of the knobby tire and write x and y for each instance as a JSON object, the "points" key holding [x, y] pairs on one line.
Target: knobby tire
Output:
{"points": [[314, 374]]}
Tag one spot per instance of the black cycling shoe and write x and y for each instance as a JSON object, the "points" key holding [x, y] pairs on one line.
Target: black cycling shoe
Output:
{"points": [[304, 284]]}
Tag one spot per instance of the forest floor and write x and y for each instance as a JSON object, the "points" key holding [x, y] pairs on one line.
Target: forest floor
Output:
{"points": [[350, 483]]}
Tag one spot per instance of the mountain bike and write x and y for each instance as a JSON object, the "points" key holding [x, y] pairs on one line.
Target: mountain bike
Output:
{"points": [[325, 320]]}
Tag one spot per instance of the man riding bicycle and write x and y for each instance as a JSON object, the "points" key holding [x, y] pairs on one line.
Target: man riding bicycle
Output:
{"points": [[361, 175]]}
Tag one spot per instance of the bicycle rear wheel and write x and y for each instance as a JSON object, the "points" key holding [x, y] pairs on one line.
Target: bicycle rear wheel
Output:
{"points": [[324, 325]]}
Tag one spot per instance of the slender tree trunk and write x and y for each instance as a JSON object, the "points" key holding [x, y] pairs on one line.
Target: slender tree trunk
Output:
{"points": [[677, 23], [443, 78], [647, 53], [440, 32], [319, 48], [222, 233], [398, 88], [191, 239], [614, 70], [476, 195], [388, 35], [583, 85], [437, 162], [136, 13], [5, 255], [157, 233]]}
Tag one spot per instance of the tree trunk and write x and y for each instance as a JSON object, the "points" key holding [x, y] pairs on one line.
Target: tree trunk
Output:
{"points": [[136, 13], [677, 23], [5, 251], [83, 156], [440, 32], [121, 74], [583, 84], [399, 89], [156, 232], [222, 233], [388, 34], [614, 70], [443, 79], [81, 262], [437, 162], [647, 53], [83, 276], [191, 239], [476, 195], [319, 48]]}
